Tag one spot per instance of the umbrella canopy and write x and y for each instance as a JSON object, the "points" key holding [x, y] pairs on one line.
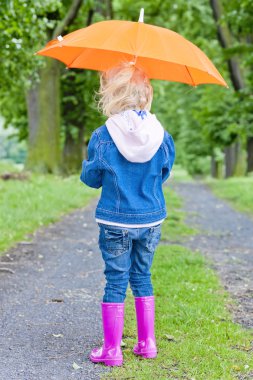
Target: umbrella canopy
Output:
{"points": [[161, 53]]}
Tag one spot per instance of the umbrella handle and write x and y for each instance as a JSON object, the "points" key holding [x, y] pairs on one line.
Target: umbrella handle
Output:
{"points": [[134, 61]]}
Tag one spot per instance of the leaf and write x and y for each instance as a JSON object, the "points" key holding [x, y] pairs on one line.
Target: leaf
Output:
{"points": [[236, 368], [170, 337], [75, 366]]}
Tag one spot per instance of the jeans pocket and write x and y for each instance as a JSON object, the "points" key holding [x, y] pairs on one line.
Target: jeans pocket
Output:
{"points": [[115, 241], [153, 237]]}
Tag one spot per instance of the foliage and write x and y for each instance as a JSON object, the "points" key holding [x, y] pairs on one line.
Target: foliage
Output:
{"points": [[11, 149], [78, 104], [24, 25]]}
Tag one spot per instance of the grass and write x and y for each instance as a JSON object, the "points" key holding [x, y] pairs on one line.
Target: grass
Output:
{"points": [[180, 174], [238, 191], [196, 337], [9, 167], [173, 228], [43, 199]]}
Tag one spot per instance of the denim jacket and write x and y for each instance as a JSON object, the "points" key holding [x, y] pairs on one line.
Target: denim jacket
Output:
{"points": [[131, 191]]}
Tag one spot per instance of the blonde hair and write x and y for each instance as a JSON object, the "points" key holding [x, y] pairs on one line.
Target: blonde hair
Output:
{"points": [[124, 87]]}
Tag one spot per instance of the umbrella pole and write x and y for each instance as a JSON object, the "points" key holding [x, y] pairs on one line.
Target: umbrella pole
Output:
{"points": [[141, 17]]}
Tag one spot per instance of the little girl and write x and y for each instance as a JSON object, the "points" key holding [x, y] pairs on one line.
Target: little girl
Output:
{"points": [[130, 157]]}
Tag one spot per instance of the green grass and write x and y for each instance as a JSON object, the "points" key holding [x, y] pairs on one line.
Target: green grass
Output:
{"points": [[28, 204], [173, 228], [196, 337], [9, 167], [238, 191], [180, 174]]}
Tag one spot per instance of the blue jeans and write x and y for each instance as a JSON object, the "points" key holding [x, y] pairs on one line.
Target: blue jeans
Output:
{"points": [[128, 255]]}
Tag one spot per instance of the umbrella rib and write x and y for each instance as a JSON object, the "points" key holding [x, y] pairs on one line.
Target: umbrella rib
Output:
{"points": [[91, 49], [194, 84], [69, 65]]}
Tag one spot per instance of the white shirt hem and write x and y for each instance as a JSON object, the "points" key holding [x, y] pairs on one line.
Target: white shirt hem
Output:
{"points": [[129, 225]]}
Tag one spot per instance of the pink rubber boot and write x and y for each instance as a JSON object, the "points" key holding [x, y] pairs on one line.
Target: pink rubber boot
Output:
{"points": [[145, 316], [113, 322]]}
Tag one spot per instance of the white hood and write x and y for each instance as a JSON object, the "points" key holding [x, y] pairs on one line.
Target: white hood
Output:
{"points": [[137, 139]]}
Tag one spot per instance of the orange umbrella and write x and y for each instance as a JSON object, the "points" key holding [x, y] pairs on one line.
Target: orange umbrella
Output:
{"points": [[161, 53]]}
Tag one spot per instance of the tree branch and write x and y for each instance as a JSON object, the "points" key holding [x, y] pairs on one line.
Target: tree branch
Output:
{"points": [[68, 19], [225, 38], [90, 16]]}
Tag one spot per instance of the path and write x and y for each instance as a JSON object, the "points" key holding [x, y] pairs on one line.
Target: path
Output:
{"points": [[226, 237], [50, 305]]}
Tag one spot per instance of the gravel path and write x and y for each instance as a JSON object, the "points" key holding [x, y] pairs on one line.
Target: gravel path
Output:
{"points": [[226, 237], [50, 305]]}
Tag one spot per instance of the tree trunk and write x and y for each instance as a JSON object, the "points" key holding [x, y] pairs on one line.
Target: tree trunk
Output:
{"points": [[229, 160], [232, 152], [250, 154], [216, 168], [73, 152], [226, 40], [241, 162], [44, 120], [213, 167], [43, 105], [104, 7], [235, 160]]}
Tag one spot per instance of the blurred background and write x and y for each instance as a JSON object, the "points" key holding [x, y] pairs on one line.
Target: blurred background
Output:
{"points": [[47, 113]]}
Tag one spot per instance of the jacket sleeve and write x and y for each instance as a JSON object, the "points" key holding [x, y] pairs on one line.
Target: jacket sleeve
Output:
{"points": [[91, 171], [169, 150]]}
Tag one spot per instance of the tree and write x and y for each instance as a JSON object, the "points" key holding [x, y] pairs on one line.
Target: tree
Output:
{"points": [[234, 31], [35, 81], [59, 107], [43, 103]]}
